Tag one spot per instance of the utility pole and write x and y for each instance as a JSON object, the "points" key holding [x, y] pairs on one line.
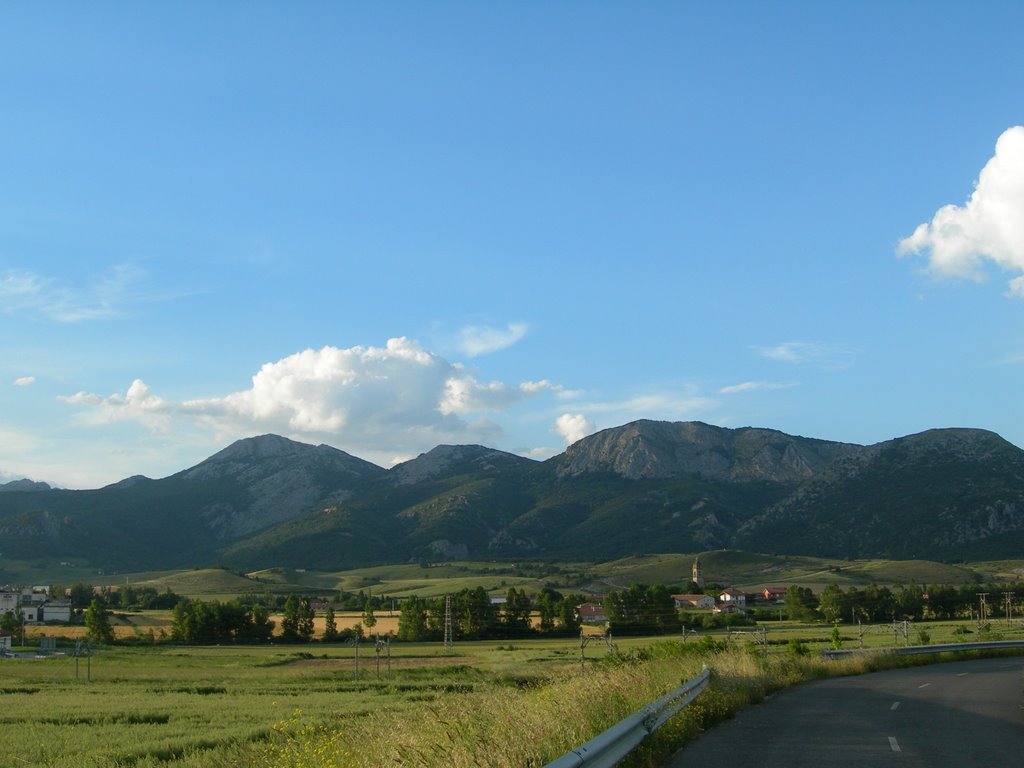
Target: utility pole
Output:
{"points": [[1008, 600], [448, 644], [583, 644], [357, 657], [981, 608], [87, 646]]}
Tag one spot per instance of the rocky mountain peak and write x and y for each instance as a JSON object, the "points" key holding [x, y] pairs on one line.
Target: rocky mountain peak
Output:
{"points": [[444, 459], [25, 485], [656, 449], [261, 447], [255, 457]]}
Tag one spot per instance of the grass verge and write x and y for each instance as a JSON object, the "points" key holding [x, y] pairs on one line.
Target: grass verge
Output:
{"points": [[534, 724]]}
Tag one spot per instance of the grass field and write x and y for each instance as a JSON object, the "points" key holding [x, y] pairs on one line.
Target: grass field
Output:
{"points": [[163, 703], [745, 570], [302, 706], [287, 705]]}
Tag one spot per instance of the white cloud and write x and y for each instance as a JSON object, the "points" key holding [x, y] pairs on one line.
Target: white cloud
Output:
{"points": [[377, 402], [22, 291], [24, 381], [988, 228], [573, 427], [830, 355], [753, 386], [477, 340], [137, 404], [668, 406]]}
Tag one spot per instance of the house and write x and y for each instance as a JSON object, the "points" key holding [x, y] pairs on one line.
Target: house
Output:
{"points": [[694, 601], [56, 610], [35, 605], [774, 594], [591, 613], [733, 597], [9, 601]]}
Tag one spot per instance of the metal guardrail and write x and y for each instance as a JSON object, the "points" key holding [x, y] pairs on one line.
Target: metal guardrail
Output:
{"points": [[910, 650], [609, 747]]}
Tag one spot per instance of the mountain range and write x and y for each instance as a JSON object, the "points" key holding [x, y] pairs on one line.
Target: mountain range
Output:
{"points": [[645, 487]]}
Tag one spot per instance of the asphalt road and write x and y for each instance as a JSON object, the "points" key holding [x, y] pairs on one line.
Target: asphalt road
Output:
{"points": [[957, 715]]}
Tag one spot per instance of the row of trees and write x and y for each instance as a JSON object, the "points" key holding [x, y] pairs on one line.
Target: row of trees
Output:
{"points": [[910, 601], [475, 617], [201, 622], [642, 609]]}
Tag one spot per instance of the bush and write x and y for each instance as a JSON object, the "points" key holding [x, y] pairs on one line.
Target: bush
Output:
{"points": [[798, 648]]}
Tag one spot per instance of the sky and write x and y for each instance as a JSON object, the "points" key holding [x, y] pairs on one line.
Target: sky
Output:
{"points": [[388, 226]]}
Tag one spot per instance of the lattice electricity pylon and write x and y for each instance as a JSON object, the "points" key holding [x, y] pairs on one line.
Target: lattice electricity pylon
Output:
{"points": [[448, 643]]}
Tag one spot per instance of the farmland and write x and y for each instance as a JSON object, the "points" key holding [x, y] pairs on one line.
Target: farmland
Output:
{"points": [[146, 701], [284, 705]]}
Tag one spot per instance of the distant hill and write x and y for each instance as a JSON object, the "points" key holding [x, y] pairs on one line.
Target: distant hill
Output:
{"points": [[24, 485], [947, 494], [643, 487]]}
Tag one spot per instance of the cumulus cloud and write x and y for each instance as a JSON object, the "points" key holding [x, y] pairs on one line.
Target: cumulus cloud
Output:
{"points": [[377, 402], [753, 386], [24, 381], [138, 404], [573, 427], [959, 240], [380, 402], [477, 340]]}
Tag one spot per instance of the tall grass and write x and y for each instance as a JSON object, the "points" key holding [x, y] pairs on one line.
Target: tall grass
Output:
{"points": [[533, 725]]}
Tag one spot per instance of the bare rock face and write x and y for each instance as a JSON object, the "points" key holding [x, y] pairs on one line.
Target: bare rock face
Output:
{"points": [[653, 449]]}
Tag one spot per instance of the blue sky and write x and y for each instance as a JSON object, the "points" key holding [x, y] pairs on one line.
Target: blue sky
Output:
{"points": [[385, 226]]}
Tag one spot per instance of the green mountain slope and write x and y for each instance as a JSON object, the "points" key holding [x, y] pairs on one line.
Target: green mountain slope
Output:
{"points": [[645, 487]]}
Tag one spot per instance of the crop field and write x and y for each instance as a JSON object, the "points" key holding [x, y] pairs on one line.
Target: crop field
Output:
{"points": [[237, 705], [146, 702], [136, 706]]}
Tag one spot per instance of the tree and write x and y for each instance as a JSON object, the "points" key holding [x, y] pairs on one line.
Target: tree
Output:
{"points": [[837, 637], [330, 625], [306, 620], [568, 615], [642, 609], [369, 620], [909, 602], [290, 620], [833, 603], [183, 627], [800, 603], [97, 622], [260, 628], [516, 617], [80, 594], [879, 604], [412, 620], [548, 607], [12, 622]]}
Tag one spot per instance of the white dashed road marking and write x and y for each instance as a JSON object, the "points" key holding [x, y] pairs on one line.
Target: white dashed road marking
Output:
{"points": [[894, 744]]}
